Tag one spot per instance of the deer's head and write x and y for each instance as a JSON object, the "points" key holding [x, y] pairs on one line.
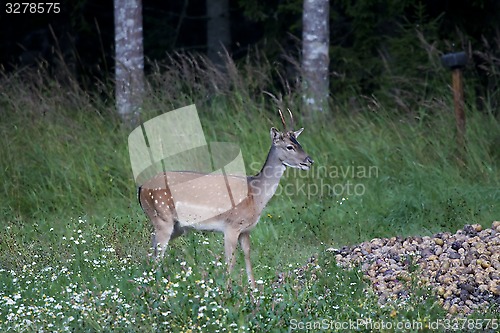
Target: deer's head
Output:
{"points": [[288, 149]]}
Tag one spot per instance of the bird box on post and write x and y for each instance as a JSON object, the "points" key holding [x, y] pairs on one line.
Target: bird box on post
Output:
{"points": [[456, 62]]}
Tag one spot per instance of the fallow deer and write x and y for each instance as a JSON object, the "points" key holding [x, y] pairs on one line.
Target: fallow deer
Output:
{"points": [[236, 223]]}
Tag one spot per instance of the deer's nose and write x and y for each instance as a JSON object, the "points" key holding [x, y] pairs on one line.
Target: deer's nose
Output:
{"points": [[309, 160]]}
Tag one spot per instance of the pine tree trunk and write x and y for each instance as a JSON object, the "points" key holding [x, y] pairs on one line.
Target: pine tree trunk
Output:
{"points": [[315, 58], [129, 63], [218, 30]]}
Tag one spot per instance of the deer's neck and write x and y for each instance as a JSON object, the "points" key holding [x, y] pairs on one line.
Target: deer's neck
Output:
{"points": [[264, 184]]}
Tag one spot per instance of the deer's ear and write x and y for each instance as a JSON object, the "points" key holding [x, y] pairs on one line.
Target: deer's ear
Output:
{"points": [[297, 133], [275, 134]]}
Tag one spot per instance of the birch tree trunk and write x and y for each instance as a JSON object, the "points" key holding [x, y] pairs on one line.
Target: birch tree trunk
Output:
{"points": [[129, 62], [218, 30], [315, 58]]}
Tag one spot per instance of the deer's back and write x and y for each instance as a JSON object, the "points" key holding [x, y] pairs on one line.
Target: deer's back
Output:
{"points": [[197, 200]]}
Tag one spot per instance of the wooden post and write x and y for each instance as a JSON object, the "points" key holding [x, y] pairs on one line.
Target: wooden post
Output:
{"points": [[456, 61]]}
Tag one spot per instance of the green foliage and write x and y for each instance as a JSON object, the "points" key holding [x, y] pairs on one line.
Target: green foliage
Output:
{"points": [[276, 16], [53, 163], [391, 49], [74, 244]]}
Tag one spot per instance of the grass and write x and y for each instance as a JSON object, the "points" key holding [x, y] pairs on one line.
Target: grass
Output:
{"points": [[74, 244]]}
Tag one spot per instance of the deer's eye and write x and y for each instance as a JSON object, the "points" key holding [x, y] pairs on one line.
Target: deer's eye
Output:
{"points": [[290, 147]]}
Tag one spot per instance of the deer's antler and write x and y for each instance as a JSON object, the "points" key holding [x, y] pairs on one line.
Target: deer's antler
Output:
{"points": [[282, 119], [291, 117]]}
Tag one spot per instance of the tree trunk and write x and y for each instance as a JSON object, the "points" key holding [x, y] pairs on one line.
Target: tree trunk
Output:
{"points": [[129, 62], [315, 59], [218, 30]]}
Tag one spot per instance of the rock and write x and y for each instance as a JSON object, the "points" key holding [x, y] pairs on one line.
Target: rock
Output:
{"points": [[453, 255], [405, 277], [470, 230], [467, 287], [426, 252], [464, 295], [438, 241], [477, 227], [456, 245], [464, 268], [453, 309], [445, 266], [482, 288], [485, 264], [495, 275], [469, 257], [494, 287], [447, 294]]}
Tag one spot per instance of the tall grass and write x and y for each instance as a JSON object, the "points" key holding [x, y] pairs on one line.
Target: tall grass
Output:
{"points": [[74, 243]]}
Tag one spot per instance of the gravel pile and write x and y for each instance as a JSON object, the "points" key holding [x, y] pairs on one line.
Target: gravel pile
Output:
{"points": [[464, 267]]}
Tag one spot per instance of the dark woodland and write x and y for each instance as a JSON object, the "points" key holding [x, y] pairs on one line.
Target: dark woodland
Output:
{"points": [[363, 35]]}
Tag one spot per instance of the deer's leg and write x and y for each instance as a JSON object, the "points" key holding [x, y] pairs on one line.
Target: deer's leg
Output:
{"points": [[163, 230], [230, 243], [245, 246]]}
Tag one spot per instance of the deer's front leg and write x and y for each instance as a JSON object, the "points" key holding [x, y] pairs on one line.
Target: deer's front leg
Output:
{"points": [[245, 246], [230, 243]]}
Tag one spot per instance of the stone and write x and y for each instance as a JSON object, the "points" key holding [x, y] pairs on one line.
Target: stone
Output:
{"points": [[485, 264], [470, 230], [453, 254], [477, 227], [456, 245], [463, 268]]}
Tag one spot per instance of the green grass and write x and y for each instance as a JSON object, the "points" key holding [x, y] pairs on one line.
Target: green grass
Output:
{"points": [[74, 244]]}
